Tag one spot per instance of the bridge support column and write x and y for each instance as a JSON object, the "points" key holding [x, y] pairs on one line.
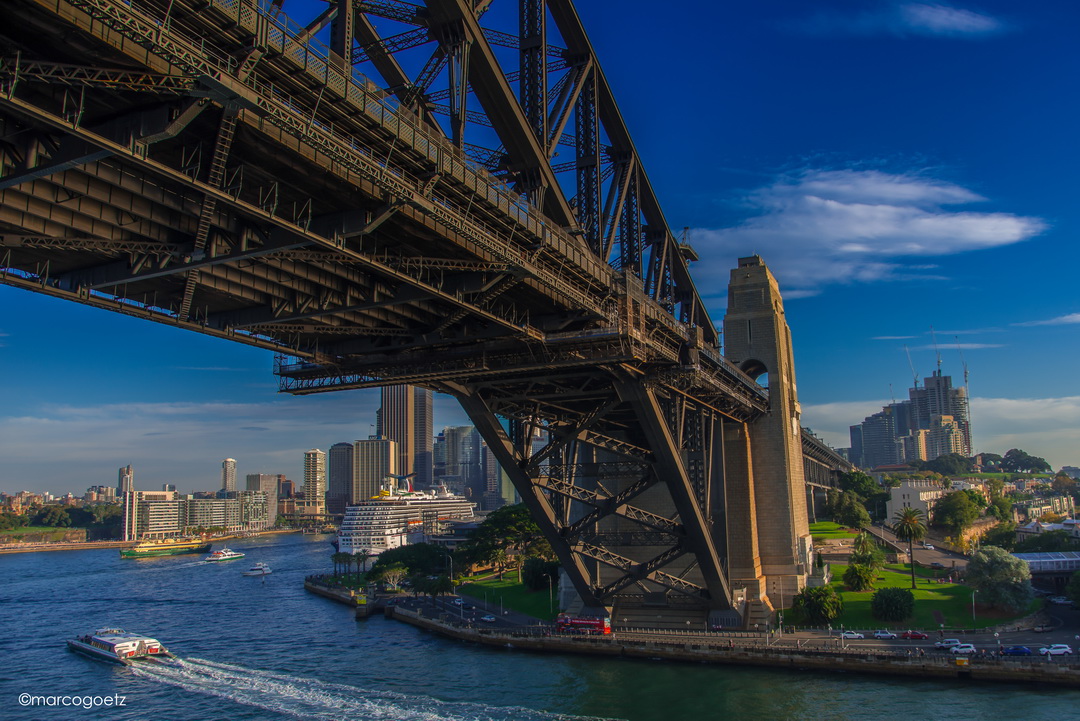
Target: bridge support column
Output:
{"points": [[758, 340]]}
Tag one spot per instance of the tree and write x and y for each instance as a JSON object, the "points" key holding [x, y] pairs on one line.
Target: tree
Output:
{"points": [[819, 605], [393, 574], [859, 578], [867, 552], [1003, 535], [955, 512], [1063, 483], [361, 558], [950, 464], [1018, 461], [1048, 541], [340, 558], [977, 498], [852, 513], [1001, 579], [908, 526], [860, 483], [536, 573], [892, 604], [1072, 589], [52, 517], [426, 559]]}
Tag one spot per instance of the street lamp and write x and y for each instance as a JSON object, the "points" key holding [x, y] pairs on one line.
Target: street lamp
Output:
{"points": [[973, 608]]}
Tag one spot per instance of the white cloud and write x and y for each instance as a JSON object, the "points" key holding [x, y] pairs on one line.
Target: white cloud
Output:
{"points": [[822, 227], [1047, 427], [908, 19], [936, 19], [1069, 319], [961, 346]]}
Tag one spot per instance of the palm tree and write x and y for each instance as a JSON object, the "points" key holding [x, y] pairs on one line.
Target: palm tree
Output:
{"points": [[361, 557], [339, 558], [908, 526]]}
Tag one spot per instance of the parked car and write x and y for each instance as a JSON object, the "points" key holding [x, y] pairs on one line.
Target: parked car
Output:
{"points": [[928, 547], [1016, 651], [487, 618], [884, 635], [937, 565], [457, 602], [1043, 629], [851, 634], [914, 635], [1056, 649], [947, 643], [963, 648], [1059, 600]]}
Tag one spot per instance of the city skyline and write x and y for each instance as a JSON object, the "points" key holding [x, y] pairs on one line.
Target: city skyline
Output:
{"points": [[925, 185]]}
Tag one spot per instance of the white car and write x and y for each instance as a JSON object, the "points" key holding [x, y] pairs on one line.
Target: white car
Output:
{"points": [[884, 635], [947, 643], [488, 618], [1057, 649], [963, 648], [851, 634], [928, 547]]}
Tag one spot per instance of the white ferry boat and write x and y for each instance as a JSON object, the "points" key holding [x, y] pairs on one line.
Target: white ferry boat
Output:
{"points": [[398, 517], [259, 569], [118, 646], [224, 554]]}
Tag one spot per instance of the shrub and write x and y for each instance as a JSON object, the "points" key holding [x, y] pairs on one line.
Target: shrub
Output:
{"points": [[819, 605], [859, 577], [892, 604]]}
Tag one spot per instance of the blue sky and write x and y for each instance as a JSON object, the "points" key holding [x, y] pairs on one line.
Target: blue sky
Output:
{"points": [[899, 165]]}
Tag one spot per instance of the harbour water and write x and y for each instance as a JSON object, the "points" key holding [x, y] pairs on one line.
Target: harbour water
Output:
{"points": [[254, 648]]}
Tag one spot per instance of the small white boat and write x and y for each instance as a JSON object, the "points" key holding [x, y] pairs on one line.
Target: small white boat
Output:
{"points": [[259, 569], [118, 646], [224, 554]]}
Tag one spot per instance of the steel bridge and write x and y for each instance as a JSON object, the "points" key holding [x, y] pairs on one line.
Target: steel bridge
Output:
{"points": [[448, 205]]}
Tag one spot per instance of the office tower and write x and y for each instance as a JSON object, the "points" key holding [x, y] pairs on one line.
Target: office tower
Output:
{"points": [[339, 477], [126, 481], [268, 484], [228, 474], [286, 488], [374, 461], [406, 418], [168, 486], [315, 481], [462, 466]]}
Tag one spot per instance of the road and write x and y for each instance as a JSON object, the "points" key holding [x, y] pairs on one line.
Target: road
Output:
{"points": [[925, 556]]}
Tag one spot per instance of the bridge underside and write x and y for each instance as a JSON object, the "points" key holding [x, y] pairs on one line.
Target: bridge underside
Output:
{"points": [[207, 165]]}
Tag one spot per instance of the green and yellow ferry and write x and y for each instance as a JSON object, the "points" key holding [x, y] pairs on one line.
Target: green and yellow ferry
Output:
{"points": [[165, 547]]}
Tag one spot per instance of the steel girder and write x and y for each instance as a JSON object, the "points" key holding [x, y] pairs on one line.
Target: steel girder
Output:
{"points": [[329, 223]]}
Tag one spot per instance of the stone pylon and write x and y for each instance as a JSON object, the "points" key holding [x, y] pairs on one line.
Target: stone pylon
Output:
{"points": [[766, 480]]}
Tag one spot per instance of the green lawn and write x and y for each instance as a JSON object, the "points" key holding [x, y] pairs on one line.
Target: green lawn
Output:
{"points": [[34, 529], [828, 529], [952, 600], [514, 595]]}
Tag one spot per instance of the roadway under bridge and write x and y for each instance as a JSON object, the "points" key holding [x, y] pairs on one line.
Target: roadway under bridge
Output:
{"points": [[440, 203]]}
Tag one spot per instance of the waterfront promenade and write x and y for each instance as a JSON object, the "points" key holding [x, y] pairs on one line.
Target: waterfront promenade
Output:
{"points": [[745, 649]]}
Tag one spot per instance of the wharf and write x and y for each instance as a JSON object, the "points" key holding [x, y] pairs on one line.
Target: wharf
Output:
{"points": [[61, 546], [349, 597], [742, 652]]}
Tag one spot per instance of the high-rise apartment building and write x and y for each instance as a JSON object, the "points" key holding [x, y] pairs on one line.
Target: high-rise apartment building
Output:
{"points": [[126, 481], [268, 484], [339, 475], [461, 456], [315, 482], [374, 461], [932, 422], [406, 418], [228, 474]]}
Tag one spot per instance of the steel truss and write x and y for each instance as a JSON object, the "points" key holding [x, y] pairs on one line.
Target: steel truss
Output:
{"points": [[210, 164]]}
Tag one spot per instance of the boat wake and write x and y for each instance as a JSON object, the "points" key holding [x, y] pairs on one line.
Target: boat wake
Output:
{"points": [[310, 698]]}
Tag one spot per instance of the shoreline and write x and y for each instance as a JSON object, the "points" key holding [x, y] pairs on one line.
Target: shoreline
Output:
{"points": [[739, 653], [97, 545]]}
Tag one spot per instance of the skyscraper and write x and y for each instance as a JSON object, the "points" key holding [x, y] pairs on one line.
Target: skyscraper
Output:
{"points": [[268, 484], [228, 474], [339, 477], [126, 481], [374, 460], [406, 418], [315, 481]]}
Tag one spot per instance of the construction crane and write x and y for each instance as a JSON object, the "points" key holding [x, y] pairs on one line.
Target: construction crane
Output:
{"points": [[914, 373]]}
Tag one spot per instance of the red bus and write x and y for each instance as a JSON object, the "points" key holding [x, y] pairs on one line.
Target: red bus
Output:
{"points": [[572, 624]]}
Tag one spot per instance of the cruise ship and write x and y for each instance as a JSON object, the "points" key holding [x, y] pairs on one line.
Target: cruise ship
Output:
{"points": [[397, 517]]}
